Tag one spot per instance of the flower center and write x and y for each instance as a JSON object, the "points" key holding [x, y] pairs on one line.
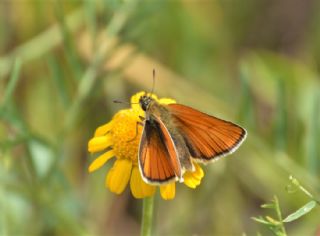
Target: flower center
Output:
{"points": [[126, 135]]}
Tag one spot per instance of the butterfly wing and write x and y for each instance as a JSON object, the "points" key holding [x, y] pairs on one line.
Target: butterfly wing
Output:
{"points": [[171, 148], [158, 160], [207, 137]]}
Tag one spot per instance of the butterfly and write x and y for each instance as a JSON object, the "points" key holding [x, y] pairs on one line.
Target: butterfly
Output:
{"points": [[174, 136]]}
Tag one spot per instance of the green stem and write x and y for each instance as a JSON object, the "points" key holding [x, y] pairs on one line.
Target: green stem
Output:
{"points": [[282, 228], [147, 216]]}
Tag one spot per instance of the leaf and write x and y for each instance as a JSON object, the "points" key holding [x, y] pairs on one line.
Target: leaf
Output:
{"points": [[273, 221], [261, 220], [301, 211], [268, 205]]}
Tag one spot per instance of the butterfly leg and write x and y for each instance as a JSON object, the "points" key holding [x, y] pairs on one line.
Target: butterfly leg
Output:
{"points": [[135, 136], [142, 118]]}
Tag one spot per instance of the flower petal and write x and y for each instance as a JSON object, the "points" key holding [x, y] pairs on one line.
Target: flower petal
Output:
{"points": [[167, 101], [101, 160], [97, 144], [135, 102], [139, 188], [193, 179], [135, 98], [102, 130], [118, 177], [168, 191]]}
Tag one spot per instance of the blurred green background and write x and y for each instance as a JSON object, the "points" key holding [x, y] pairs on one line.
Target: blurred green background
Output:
{"points": [[62, 63]]}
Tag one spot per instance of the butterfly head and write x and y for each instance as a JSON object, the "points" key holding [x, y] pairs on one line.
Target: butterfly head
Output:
{"points": [[145, 101]]}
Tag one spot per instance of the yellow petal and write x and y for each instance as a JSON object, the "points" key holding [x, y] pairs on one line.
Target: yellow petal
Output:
{"points": [[97, 144], [118, 177], [168, 191], [167, 101], [135, 98], [138, 110], [198, 173], [101, 160], [135, 102], [191, 182], [193, 179], [139, 188], [102, 130]]}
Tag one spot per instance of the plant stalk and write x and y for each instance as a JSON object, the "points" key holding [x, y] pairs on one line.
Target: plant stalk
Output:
{"points": [[147, 216]]}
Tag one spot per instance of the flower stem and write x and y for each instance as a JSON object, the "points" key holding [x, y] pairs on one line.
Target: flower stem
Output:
{"points": [[147, 216]]}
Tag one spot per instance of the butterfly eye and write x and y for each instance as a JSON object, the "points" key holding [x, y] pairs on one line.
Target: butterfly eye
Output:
{"points": [[144, 102]]}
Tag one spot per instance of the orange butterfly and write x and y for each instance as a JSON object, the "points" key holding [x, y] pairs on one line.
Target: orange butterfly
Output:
{"points": [[174, 135]]}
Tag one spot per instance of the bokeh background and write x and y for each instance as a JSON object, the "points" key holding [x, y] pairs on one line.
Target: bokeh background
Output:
{"points": [[62, 63]]}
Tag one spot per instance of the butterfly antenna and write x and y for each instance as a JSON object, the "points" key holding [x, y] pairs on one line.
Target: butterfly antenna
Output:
{"points": [[119, 101], [153, 80], [129, 103]]}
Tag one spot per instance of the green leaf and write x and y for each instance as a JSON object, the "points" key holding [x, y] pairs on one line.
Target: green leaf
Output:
{"points": [[300, 212], [268, 205], [261, 220], [272, 221]]}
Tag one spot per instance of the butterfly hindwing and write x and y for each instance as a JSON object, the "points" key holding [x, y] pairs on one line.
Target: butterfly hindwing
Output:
{"points": [[207, 137]]}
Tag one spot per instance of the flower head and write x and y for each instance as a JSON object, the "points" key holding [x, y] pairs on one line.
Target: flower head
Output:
{"points": [[120, 139]]}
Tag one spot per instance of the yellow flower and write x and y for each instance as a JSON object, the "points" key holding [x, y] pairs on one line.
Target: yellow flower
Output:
{"points": [[113, 139]]}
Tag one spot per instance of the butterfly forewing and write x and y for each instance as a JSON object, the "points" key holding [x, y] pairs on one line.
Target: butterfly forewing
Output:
{"points": [[170, 146], [154, 157], [207, 137]]}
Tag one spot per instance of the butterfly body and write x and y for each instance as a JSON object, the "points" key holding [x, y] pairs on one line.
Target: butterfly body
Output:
{"points": [[174, 135], [161, 123]]}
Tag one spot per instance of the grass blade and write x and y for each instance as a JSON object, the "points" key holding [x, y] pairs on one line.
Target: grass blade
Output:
{"points": [[12, 82]]}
